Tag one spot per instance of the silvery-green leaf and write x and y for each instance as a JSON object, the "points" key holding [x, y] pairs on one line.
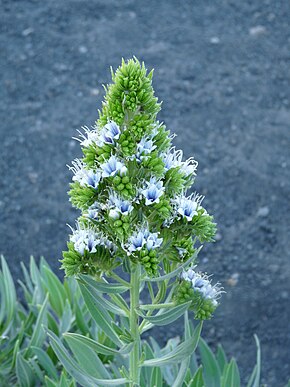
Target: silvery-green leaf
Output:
{"points": [[156, 378], [66, 318], [231, 376], [103, 287], [99, 314], [75, 370], [179, 353], [57, 294], [8, 299], [38, 335], [45, 362], [211, 370], [197, 380], [97, 347], [165, 316], [24, 372], [221, 358], [254, 380]]}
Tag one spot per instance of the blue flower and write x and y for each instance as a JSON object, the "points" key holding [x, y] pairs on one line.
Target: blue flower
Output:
{"points": [[188, 207], [83, 176], [119, 206], [112, 167], [173, 159], [143, 238], [153, 191], [110, 133], [202, 284]]}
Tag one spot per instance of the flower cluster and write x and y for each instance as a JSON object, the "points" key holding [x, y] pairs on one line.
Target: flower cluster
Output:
{"points": [[131, 185], [197, 288]]}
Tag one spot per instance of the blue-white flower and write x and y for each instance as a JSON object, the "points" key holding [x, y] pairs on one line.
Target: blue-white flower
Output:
{"points": [[202, 284], [84, 176], [119, 206], [144, 148], [84, 240], [94, 211], [143, 238], [112, 167], [188, 207], [153, 191], [89, 137], [173, 159], [110, 133]]}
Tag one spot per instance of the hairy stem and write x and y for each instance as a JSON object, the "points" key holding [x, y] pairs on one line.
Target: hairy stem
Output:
{"points": [[134, 327]]}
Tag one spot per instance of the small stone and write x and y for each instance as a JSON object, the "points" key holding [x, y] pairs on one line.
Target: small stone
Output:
{"points": [[33, 176], [95, 91], [83, 49], [284, 164], [27, 31], [215, 40], [257, 30], [218, 236], [233, 280], [284, 295], [263, 212]]}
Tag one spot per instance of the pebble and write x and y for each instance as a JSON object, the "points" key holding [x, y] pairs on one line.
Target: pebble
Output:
{"points": [[218, 236], [95, 91], [233, 280], [257, 30], [215, 40], [32, 176], [83, 49], [263, 212], [27, 31]]}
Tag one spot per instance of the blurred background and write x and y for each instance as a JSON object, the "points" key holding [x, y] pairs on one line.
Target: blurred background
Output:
{"points": [[222, 70]]}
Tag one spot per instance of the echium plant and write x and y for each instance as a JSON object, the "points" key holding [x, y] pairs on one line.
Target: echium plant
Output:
{"points": [[131, 186]]}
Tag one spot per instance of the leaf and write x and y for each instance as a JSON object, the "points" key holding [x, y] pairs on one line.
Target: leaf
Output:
{"points": [[98, 347], [103, 287], [45, 362], [254, 380], [197, 380], [211, 370], [156, 378], [99, 314], [166, 317], [87, 359], [66, 318], [38, 335], [179, 353], [181, 373], [221, 358], [231, 376], [75, 370], [175, 272], [57, 294], [24, 372], [9, 296]]}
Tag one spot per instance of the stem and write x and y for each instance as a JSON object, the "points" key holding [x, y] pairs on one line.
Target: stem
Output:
{"points": [[134, 328], [157, 306]]}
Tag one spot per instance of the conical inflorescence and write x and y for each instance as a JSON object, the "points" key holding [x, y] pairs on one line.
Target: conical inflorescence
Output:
{"points": [[131, 186]]}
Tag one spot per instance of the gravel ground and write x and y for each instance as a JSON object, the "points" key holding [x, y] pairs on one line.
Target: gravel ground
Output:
{"points": [[222, 70]]}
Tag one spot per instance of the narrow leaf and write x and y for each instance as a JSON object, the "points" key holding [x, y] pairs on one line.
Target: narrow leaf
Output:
{"points": [[99, 314], [98, 347], [197, 380], [211, 370], [45, 362], [24, 372], [73, 368], [231, 376], [221, 358], [103, 287], [254, 380], [168, 315], [179, 353]]}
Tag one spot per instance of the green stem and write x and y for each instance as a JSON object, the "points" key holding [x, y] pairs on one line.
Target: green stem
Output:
{"points": [[134, 328], [157, 306]]}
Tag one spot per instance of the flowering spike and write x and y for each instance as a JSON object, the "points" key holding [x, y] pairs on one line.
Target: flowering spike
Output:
{"points": [[131, 186]]}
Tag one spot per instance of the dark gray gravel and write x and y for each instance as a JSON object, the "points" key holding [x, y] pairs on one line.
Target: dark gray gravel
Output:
{"points": [[222, 70]]}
